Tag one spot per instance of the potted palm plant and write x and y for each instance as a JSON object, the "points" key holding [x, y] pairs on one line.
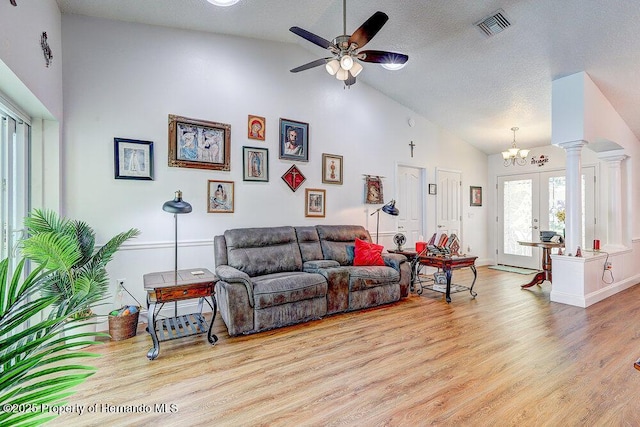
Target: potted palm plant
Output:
{"points": [[37, 368], [67, 247]]}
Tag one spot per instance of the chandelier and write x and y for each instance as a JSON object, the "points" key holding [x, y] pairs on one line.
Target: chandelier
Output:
{"points": [[515, 155]]}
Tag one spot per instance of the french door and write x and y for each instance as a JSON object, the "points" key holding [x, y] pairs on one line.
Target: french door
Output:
{"points": [[530, 203]]}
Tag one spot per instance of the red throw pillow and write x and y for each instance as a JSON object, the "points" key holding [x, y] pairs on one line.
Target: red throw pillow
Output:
{"points": [[367, 253]]}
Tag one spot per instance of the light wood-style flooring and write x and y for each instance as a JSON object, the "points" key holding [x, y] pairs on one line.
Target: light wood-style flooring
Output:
{"points": [[508, 357]]}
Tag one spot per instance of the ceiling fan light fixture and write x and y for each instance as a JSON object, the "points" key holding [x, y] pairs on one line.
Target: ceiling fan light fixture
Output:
{"points": [[332, 67], [223, 3], [342, 74], [355, 70], [346, 62], [392, 66]]}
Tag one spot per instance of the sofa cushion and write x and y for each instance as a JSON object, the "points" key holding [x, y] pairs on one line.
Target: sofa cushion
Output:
{"points": [[259, 251], [281, 288], [367, 253], [335, 238], [361, 278], [309, 243]]}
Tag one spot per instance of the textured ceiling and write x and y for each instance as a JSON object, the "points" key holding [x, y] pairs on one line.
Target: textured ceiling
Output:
{"points": [[474, 86]]}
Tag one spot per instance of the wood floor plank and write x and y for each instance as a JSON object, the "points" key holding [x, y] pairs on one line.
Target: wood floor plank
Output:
{"points": [[507, 357]]}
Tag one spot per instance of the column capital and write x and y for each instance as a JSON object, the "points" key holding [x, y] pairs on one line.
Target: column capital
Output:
{"points": [[569, 145], [613, 156]]}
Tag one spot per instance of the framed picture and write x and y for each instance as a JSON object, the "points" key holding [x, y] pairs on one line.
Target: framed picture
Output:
{"points": [[199, 144], [256, 125], [220, 196], [293, 177], [433, 189], [255, 164], [315, 202], [476, 196], [294, 140], [331, 169], [373, 190], [133, 159]]}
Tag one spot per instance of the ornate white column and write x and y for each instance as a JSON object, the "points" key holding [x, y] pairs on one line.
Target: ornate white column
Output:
{"points": [[614, 160], [573, 197]]}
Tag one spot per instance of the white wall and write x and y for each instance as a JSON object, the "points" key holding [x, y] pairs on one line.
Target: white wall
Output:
{"points": [[123, 80], [34, 88]]}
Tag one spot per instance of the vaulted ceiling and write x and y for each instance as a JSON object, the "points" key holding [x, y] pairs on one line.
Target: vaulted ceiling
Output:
{"points": [[477, 87]]}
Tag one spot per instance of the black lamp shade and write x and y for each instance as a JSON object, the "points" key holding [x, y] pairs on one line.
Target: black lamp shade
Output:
{"points": [[177, 205], [390, 208]]}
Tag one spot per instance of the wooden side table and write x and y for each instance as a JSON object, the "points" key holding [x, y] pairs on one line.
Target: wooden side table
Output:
{"points": [[448, 264], [171, 286]]}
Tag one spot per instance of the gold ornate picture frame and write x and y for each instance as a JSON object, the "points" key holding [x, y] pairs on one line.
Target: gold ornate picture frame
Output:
{"points": [[199, 144]]}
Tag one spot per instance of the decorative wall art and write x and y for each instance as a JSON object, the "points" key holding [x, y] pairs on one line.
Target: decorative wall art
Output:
{"points": [[257, 126], [294, 140], [373, 190], [331, 169], [220, 196], [315, 202], [199, 144], [433, 189], [475, 196], [133, 159], [255, 164], [293, 177]]}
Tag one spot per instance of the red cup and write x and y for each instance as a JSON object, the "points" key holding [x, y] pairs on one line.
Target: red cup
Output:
{"points": [[420, 246], [596, 245]]}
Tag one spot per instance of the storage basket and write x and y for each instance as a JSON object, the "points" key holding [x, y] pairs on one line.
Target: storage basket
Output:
{"points": [[123, 327]]}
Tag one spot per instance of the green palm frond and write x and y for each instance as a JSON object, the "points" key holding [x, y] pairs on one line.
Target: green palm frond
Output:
{"points": [[45, 221], [86, 238], [106, 252], [35, 363], [56, 251]]}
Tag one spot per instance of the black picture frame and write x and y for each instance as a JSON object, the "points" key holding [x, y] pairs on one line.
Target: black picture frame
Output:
{"points": [[133, 159], [299, 151]]}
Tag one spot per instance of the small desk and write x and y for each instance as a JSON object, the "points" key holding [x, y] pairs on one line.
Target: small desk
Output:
{"points": [[166, 286], [545, 274], [448, 264]]}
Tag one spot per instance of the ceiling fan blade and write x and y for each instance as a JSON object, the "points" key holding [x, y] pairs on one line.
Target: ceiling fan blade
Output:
{"points": [[369, 29], [350, 80], [383, 57], [311, 64], [324, 43]]}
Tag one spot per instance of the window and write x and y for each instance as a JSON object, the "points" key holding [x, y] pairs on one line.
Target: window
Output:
{"points": [[15, 142]]}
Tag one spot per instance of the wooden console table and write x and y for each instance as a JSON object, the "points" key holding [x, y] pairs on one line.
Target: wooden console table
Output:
{"points": [[545, 274], [167, 286], [447, 265]]}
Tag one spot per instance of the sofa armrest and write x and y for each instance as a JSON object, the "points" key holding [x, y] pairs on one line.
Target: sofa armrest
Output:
{"points": [[315, 265], [394, 260], [233, 275]]}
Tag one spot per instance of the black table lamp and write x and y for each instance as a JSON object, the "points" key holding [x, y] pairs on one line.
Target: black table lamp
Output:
{"points": [[176, 206], [389, 208]]}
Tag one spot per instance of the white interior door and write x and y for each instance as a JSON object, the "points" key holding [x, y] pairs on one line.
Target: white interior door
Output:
{"points": [[410, 201], [449, 203]]}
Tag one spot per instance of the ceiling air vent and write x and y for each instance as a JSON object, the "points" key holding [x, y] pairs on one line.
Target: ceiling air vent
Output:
{"points": [[494, 24]]}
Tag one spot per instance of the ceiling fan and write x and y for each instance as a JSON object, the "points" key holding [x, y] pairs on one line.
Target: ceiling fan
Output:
{"points": [[345, 61]]}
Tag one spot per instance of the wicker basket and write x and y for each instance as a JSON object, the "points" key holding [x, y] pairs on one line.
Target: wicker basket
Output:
{"points": [[123, 327]]}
